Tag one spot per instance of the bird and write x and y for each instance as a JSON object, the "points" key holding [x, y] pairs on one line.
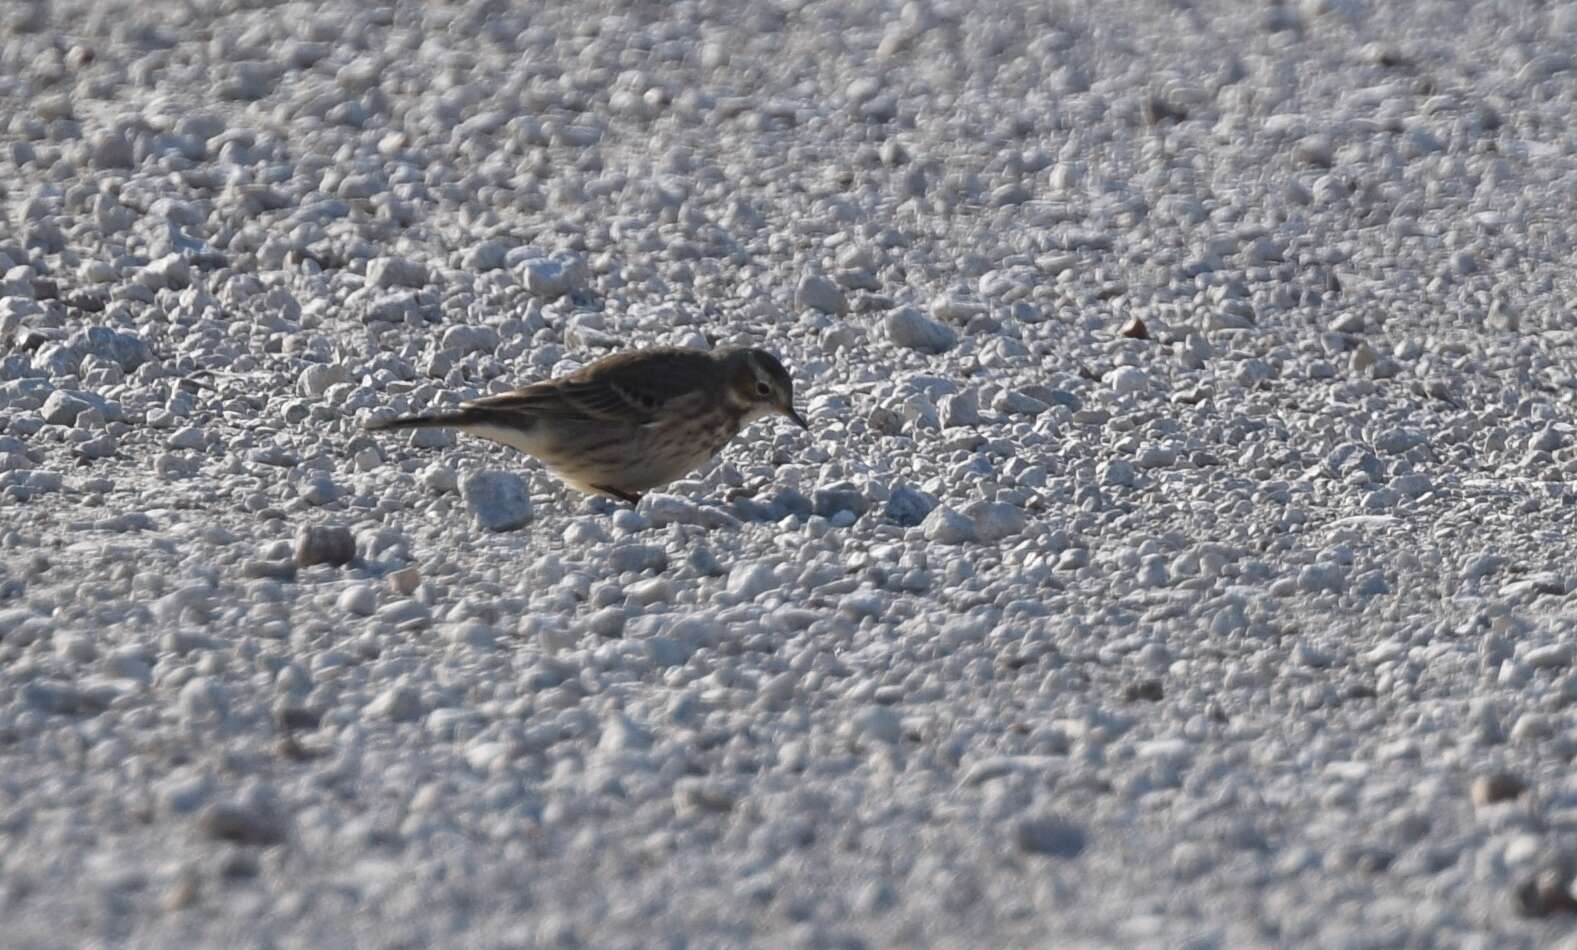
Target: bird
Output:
{"points": [[628, 422]]}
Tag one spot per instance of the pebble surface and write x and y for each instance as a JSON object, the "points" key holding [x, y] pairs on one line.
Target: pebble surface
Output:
{"points": [[1180, 554]]}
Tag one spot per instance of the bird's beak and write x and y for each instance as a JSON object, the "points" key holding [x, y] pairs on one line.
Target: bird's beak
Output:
{"points": [[799, 420]]}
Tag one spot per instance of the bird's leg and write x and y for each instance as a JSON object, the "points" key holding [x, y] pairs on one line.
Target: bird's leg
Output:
{"points": [[620, 494]]}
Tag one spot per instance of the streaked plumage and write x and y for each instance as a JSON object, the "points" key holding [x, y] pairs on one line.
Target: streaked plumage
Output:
{"points": [[628, 422]]}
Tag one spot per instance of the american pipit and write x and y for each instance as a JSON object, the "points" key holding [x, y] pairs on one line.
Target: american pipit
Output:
{"points": [[631, 421]]}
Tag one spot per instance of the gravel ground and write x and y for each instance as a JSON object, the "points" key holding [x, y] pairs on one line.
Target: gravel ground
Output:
{"points": [[1181, 554]]}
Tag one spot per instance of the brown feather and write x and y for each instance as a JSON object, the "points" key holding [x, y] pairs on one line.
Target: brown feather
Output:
{"points": [[630, 388], [630, 421]]}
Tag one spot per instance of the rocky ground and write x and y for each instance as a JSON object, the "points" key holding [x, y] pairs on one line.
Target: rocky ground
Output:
{"points": [[1181, 554]]}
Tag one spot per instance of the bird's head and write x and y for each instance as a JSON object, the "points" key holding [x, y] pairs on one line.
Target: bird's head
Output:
{"points": [[759, 385]]}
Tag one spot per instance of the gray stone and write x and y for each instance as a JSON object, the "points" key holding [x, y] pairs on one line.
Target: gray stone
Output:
{"points": [[319, 490], [401, 703], [405, 613], [470, 339], [638, 558], [994, 520], [99, 447], [172, 271], [245, 823], [63, 698], [484, 256], [396, 272], [908, 327], [1496, 787], [749, 581], [324, 544], [960, 409], [359, 599], [1049, 836], [317, 378], [947, 526], [124, 348], [662, 509], [1015, 402], [829, 501], [908, 507], [1322, 578], [816, 292], [397, 307], [110, 149], [878, 723], [497, 500], [62, 408], [549, 278]]}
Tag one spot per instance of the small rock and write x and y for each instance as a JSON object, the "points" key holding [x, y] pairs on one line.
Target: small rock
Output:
{"points": [[1118, 472], [1135, 329], [944, 525], [471, 633], [110, 149], [1546, 892], [99, 447], [62, 408], [1496, 787], [995, 520], [956, 309], [399, 703], [1550, 657], [359, 599], [264, 567], [242, 823], [488, 255], [204, 697], [325, 544], [1014, 402], [818, 293], [184, 793], [908, 327], [1322, 578], [1050, 836], [692, 795], [62, 698], [319, 490], [549, 278], [470, 339], [638, 558], [828, 502], [908, 507], [405, 580], [405, 613], [878, 723], [171, 271], [1128, 380], [885, 421], [662, 509], [439, 478], [396, 272], [1149, 690], [1482, 565], [316, 379], [608, 622], [1153, 572], [497, 500], [1397, 441], [960, 409], [749, 581]]}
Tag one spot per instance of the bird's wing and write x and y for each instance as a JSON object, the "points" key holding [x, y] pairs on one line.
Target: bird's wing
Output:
{"points": [[630, 388]]}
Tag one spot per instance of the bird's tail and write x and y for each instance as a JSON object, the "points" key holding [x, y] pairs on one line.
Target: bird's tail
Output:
{"points": [[434, 421]]}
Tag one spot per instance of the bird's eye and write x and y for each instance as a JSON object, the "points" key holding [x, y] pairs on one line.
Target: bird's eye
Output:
{"points": [[762, 389]]}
